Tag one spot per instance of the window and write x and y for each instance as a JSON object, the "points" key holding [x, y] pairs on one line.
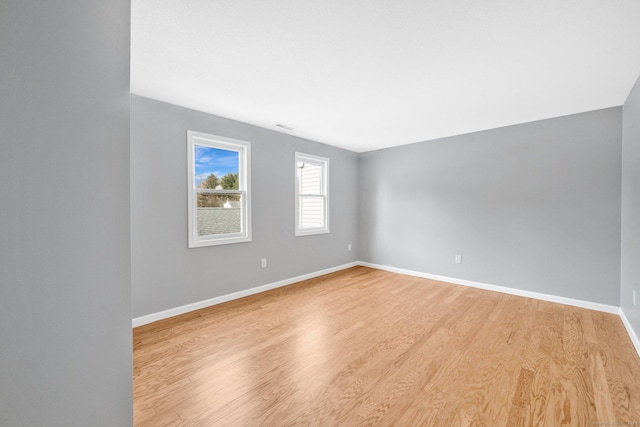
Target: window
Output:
{"points": [[219, 198], [312, 194]]}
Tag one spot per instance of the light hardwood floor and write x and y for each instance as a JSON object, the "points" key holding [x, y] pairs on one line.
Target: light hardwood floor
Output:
{"points": [[368, 347]]}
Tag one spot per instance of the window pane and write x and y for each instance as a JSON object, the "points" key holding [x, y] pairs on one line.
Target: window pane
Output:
{"points": [[219, 194], [216, 168], [309, 178], [311, 212], [219, 214]]}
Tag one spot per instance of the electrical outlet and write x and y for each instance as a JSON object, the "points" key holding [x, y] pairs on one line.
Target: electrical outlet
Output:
{"points": [[263, 263], [349, 247], [634, 297], [458, 259]]}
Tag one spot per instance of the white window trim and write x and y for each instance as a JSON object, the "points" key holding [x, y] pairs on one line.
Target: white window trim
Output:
{"points": [[302, 157], [244, 177]]}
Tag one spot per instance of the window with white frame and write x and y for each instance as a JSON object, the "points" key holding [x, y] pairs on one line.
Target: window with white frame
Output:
{"points": [[219, 195], [312, 194]]}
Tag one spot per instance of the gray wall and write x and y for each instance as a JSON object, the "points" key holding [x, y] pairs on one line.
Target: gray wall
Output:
{"points": [[65, 293], [165, 273], [630, 271], [534, 206]]}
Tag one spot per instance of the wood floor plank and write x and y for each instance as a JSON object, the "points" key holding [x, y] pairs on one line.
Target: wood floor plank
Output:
{"points": [[369, 347]]}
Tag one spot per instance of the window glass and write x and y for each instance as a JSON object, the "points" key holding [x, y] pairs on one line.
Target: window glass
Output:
{"points": [[218, 190], [312, 197]]}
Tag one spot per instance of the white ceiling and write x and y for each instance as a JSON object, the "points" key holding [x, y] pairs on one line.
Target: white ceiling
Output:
{"points": [[368, 74]]}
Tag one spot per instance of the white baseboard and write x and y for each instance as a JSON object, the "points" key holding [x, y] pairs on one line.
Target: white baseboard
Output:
{"points": [[143, 320], [503, 289], [518, 292], [630, 331], [154, 317]]}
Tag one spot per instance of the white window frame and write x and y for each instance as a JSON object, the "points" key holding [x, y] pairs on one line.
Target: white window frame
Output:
{"points": [[243, 148], [324, 163]]}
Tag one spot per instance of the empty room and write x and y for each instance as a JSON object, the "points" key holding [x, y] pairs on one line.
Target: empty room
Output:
{"points": [[241, 213]]}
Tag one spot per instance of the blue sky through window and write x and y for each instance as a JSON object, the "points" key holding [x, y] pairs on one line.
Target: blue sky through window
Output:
{"points": [[210, 160]]}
